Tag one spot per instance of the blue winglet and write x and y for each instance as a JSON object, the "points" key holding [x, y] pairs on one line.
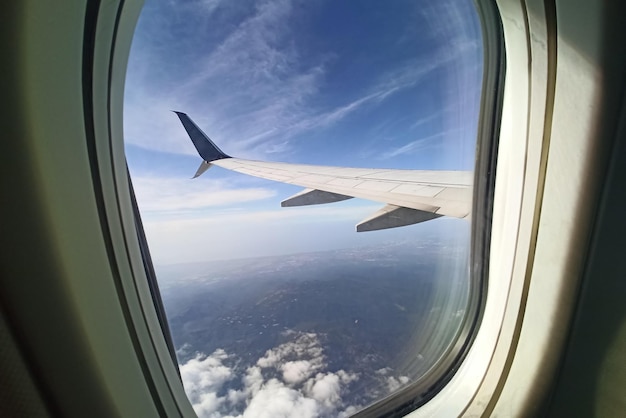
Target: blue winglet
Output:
{"points": [[206, 148]]}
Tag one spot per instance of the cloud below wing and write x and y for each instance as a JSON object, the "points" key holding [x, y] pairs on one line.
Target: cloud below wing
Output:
{"points": [[166, 194], [291, 380]]}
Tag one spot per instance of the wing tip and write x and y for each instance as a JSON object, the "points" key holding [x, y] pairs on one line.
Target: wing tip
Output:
{"points": [[205, 147]]}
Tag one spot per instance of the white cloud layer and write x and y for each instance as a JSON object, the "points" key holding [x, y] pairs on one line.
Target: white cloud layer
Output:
{"points": [[203, 376], [160, 194], [290, 380], [229, 233]]}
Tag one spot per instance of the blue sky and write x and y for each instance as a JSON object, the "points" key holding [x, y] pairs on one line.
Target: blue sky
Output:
{"points": [[357, 84]]}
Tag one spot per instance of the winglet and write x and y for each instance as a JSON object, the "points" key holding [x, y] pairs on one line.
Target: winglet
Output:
{"points": [[206, 148], [204, 166]]}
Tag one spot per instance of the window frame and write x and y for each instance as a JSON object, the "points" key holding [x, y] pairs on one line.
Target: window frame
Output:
{"points": [[67, 97]]}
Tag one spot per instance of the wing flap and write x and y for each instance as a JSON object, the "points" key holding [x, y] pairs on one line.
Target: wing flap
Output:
{"points": [[392, 216], [313, 197]]}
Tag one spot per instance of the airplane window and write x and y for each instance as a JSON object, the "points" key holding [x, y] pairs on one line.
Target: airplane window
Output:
{"points": [[289, 311]]}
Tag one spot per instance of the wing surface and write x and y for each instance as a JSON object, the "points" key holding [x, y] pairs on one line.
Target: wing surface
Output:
{"points": [[411, 196]]}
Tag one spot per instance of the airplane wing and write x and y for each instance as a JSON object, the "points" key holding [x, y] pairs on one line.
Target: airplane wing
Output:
{"points": [[411, 196]]}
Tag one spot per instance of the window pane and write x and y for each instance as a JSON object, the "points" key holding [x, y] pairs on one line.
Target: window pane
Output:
{"points": [[289, 310]]}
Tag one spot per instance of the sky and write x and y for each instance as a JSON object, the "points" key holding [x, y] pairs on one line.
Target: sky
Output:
{"points": [[356, 84]]}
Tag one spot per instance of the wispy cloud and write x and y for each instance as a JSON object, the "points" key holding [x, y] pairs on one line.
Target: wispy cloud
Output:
{"points": [[256, 49], [252, 233], [247, 88], [419, 144], [209, 6], [429, 118], [252, 92], [243, 217], [163, 195]]}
